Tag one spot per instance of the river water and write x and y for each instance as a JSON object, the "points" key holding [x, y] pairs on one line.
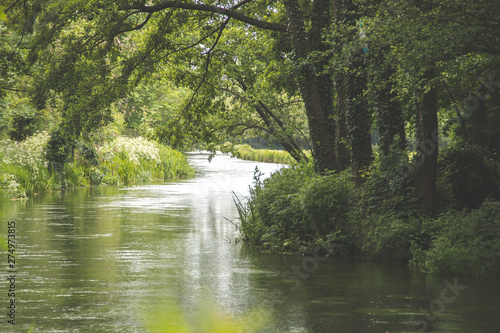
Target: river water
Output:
{"points": [[162, 256]]}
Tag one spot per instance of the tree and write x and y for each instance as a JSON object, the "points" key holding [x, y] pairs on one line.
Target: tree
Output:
{"points": [[89, 40], [245, 88]]}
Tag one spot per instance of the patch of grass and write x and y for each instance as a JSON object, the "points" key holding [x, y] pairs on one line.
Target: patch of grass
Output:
{"points": [[246, 152]]}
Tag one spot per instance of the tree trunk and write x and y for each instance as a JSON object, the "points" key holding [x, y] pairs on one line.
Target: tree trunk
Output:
{"points": [[479, 124], [358, 118], [342, 147], [320, 22], [427, 154], [323, 147], [389, 118]]}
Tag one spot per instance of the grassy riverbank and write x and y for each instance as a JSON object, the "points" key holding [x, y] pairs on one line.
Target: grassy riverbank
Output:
{"points": [[295, 210], [246, 152], [24, 169]]}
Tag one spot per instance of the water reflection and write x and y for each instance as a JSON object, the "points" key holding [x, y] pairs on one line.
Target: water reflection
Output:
{"points": [[100, 260]]}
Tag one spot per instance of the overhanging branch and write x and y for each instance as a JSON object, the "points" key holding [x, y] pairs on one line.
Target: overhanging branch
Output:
{"points": [[209, 8]]}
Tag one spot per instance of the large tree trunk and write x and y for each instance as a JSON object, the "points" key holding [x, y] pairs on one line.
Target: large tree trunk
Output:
{"points": [[427, 154], [358, 115], [358, 118], [342, 147], [390, 120], [323, 147], [341, 144], [479, 124], [321, 21]]}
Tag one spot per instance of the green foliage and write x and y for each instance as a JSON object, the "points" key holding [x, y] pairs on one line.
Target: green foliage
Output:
{"points": [[467, 243], [294, 206], [60, 148], [388, 237], [246, 152], [277, 205], [472, 175], [24, 166], [325, 202], [130, 160], [74, 175], [389, 187], [3, 17]]}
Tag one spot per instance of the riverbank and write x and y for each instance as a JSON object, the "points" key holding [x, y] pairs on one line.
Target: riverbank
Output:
{"points": [[24, 169], [296, 210], [246, 152]]}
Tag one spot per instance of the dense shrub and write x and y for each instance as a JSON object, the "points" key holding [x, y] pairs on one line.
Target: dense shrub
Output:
{"points": [[325, 203], [388, 237], [472, 175], [389, 188], [60, 148], [467, 242], [293, 207], [23, 167], [277, 206]]}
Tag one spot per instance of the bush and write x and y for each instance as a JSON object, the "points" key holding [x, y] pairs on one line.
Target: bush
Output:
{"points": [[388, 237], [277, 206], [325, 202], [389, 188], [467, 243], [60, 148], [293, 207], [23, 167], [472, 175]]}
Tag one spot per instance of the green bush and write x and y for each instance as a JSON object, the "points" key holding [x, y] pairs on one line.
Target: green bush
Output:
{"points": [[468, 242], [473, 176], [60, 148], [74, 175], [23, 167], [389, 188], [388, 237], [325, 203], [293, 207], [277, 205]]}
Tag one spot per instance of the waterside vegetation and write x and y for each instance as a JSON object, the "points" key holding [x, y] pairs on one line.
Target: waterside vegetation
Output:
{"points": [[25, 170], [296, 210], [247, 152]]}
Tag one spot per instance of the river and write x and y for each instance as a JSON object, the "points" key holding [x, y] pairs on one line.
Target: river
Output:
{"points": [[155, 257]]}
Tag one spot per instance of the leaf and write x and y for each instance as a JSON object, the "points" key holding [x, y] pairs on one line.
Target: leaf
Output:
{"points": [[3, 17]]}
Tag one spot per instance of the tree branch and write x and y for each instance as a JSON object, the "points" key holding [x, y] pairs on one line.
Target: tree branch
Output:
{"points": [[212, 9]]}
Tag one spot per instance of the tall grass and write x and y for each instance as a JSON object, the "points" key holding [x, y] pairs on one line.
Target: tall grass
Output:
{"points": [[129, 160], [24, 169], [246, 152]]}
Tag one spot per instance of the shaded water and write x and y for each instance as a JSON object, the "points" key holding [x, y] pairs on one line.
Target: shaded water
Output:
{"points": [[114, 259]]}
